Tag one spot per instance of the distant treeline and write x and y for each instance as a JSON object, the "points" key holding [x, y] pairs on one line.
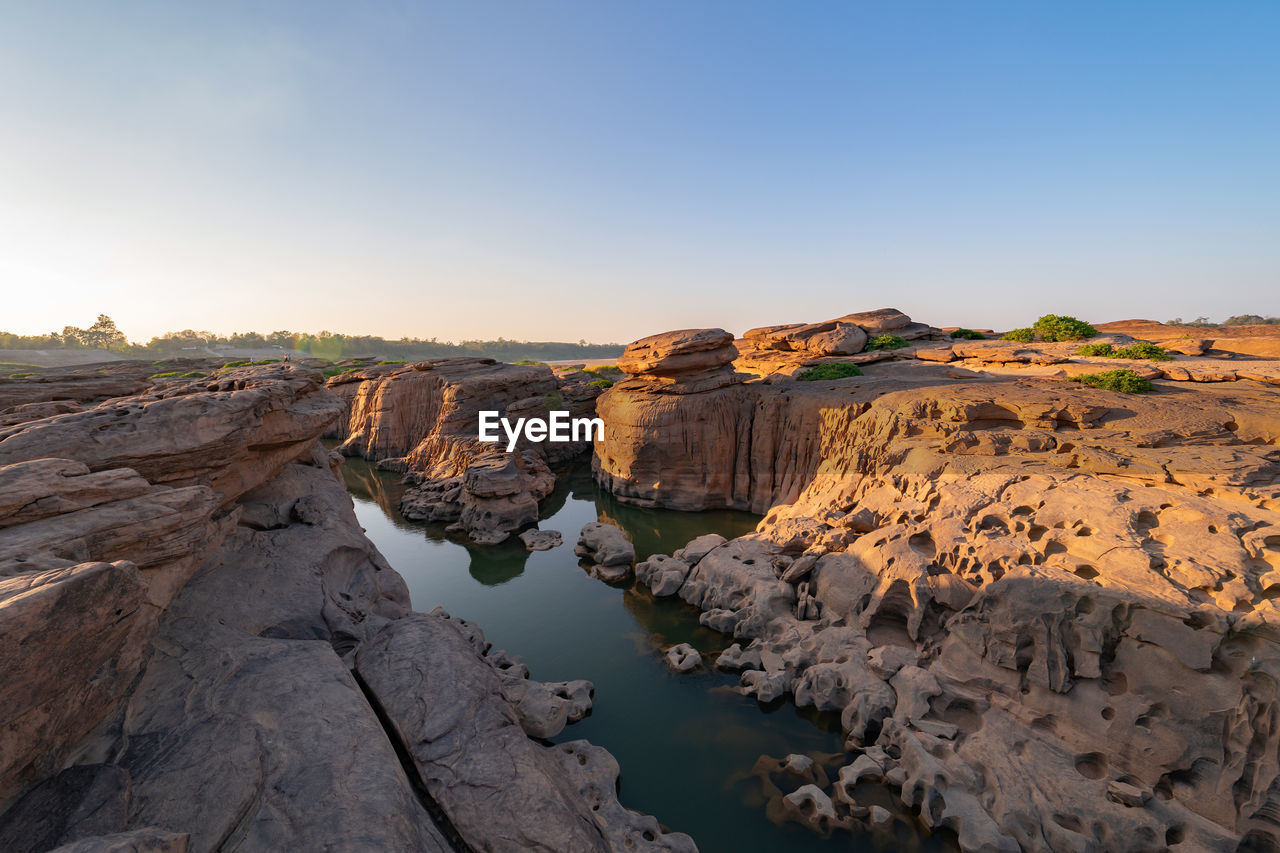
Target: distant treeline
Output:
{"points": [[103, 334], [1238, 320]]}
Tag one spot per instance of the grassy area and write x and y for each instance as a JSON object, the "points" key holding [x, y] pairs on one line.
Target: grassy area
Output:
{"points": [[967, 335]]}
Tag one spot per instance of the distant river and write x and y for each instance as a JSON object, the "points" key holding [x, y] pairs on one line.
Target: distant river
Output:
{"points": [[686, 743]]}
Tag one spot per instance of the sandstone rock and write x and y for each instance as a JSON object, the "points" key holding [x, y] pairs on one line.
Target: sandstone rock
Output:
{"points": [[545, 709], [150, 839], [79, 802], [65, 683], [423, 419], [683, 657], [605, 545], [878, 322], [541, 540], [1006, 576], [230, 434], [684, 351], [611, 574], [498, 787], [177, 698], [662, 574]]}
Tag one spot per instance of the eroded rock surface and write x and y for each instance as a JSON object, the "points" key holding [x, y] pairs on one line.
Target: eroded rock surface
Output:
{"points": [[214, 657], [1045, 613]]}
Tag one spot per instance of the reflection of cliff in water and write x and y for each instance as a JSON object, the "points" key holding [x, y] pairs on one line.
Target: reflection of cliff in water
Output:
{"points": [[364, 480], [657, 531], [654, 531]]}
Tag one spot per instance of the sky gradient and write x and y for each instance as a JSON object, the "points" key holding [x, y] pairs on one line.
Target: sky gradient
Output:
{"points": [[606, 170]]}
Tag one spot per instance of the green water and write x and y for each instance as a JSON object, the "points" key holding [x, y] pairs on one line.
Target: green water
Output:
{"points": [[686, 743]]}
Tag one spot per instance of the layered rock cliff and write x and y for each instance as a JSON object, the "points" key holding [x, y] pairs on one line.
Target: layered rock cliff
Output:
{"points": [[1046, 613], [422, 419], [204, 652]]}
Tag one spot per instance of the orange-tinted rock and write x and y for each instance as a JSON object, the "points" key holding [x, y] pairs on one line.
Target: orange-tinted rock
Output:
{"points": [[684, 351]]}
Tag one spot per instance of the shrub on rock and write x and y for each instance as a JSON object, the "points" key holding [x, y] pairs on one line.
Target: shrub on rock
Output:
{"points": [[833, 370], [1123, 380], [1140, 350], [886, 341], [1022, 336], [1051, 327]]}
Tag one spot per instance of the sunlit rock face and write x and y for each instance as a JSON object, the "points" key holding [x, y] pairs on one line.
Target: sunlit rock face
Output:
{"points": [[1046, 613]]}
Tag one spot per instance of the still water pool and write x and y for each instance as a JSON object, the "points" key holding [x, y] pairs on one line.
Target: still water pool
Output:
{"points": [[686, 743]]}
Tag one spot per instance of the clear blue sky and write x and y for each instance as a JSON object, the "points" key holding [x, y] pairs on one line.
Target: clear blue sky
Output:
{"points": [[606, 170]]}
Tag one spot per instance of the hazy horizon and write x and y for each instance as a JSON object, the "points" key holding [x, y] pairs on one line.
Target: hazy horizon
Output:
{"points": [[560, 171]]}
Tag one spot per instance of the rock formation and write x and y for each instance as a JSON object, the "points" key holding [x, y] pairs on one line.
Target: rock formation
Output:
{"points": [[422, 419], [1046, 613], [205, 653]]}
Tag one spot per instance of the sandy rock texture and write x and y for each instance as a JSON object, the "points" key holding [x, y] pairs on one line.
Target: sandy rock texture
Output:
{"points": [[422, 419], [786, 350], [1046, 613], [204, 652]]}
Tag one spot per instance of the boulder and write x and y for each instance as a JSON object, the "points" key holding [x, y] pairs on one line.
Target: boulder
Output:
{"points": [[541, 540], [683, 658], [683, 351], [605, 545]]}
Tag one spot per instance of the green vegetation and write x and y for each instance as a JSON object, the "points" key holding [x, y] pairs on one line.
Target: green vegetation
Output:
{"points": [[1139, 350], [968, 335], [169, 375], [886, 341], [235, 364], [553, 400], [103, 334], [1051, 327], [266, 361], [21, 375], [605, 371], [394, 361], [832, 370], [1123, 380], [334, 346], [195, 374], [1237, 320], [528, 362], [601, 383]]}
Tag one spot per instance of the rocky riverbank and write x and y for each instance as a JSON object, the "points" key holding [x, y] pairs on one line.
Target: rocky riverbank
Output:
{"points": [[1046, 612], [206, 653]]}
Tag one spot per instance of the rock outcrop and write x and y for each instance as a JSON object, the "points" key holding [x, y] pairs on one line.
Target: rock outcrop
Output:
{"points": [[788, 349], [214, 657], [422, 419], [1046, 613]]}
